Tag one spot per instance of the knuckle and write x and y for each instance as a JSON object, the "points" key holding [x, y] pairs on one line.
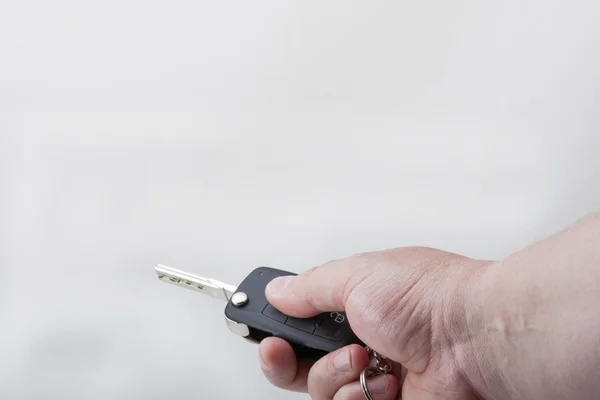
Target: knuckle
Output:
{"points": [[310, 272], [364, 259]]}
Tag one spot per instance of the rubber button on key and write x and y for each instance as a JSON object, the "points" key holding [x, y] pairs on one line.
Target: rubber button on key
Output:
{"points": [[306, 324], [332, 327], [274, 313]]}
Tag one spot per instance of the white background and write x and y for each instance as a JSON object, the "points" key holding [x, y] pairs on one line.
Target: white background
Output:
{"points": [[220, 136]]}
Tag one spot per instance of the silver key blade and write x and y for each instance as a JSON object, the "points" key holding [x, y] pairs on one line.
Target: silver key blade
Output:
{"points": [[211, 287]]}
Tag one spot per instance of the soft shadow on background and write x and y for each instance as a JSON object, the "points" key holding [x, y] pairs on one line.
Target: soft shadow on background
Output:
{"points": [[217, 137]]}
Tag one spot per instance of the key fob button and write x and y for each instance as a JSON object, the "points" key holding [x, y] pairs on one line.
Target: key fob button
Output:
{"points": [[310, 338], [274, 313], [306, 324], [332, 327]]}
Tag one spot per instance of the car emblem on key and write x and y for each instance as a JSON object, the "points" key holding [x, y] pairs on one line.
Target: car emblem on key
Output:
{"points": [[249, 314]]}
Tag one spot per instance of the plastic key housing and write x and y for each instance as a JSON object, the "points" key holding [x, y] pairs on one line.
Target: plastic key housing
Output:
{"points": [[310, 337]]}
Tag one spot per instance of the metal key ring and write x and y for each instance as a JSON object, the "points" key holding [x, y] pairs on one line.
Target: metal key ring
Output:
{"points": [[384, 366], [372, 371]]}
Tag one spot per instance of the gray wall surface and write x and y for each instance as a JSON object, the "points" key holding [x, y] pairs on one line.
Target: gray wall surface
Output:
{"points": [[220, 136]]}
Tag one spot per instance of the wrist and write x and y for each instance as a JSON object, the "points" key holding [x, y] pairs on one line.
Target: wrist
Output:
{"points": [[478, 326]]}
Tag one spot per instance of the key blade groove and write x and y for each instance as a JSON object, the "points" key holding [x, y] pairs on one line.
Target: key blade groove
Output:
{"points": [[210, 287]]}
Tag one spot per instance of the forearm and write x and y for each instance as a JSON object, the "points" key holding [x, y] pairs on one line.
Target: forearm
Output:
{"points": [[536, 331]]}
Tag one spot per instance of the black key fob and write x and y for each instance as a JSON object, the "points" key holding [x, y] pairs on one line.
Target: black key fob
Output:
{"points": [[249, 314]]}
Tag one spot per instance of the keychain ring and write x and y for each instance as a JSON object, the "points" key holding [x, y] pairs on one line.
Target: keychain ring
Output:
{"points": [[371, 371], [384, 366]]}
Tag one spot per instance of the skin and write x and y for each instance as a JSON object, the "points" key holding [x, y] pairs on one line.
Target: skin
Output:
{"points": [[525, 327]]}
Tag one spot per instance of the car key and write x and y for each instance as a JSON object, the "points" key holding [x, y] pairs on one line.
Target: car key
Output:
{"points": [[249, 314]]}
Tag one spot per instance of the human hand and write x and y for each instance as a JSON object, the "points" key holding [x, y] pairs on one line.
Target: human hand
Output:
{"points": [[408, 304], [525, 327]]}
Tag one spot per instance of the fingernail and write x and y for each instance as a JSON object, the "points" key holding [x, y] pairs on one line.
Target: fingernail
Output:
{"points": [[380, 384], [278, 285], [341, 361]]}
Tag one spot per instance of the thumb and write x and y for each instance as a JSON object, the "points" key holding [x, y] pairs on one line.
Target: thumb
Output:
{"points": [[395, 299], [329, 286], [319, 289]]}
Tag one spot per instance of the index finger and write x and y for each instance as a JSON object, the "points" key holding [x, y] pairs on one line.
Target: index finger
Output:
{"points": [[320, 289]]}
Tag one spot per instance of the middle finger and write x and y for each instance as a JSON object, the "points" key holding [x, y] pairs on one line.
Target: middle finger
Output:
{"points": [[335, 370]]}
